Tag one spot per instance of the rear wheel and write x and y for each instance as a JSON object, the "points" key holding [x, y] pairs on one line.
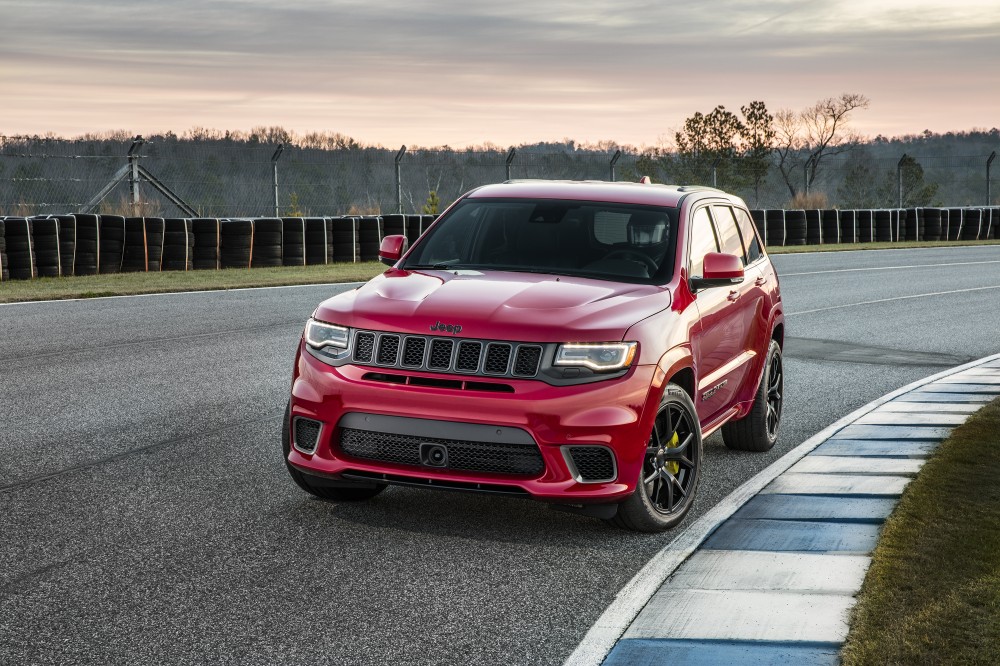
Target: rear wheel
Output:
{"points": [[323, 488], [670, 470], [758, 430]]}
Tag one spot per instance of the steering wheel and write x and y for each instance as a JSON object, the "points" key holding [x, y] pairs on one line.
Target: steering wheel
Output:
{"points": [[633, 255]]}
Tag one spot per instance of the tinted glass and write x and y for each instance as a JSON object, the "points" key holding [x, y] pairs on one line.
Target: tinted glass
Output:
{"points": [[750, 238], [702, 241], [591, 239], [729, 234]]}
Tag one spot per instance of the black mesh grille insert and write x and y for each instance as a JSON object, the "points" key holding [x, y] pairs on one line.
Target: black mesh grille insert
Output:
{"points": [[440, 354], [468, 356], [388, 349], [519, 459], [364, 345], [593, 463], [526, 361], [497, 358], [306, 434], [413, 352]]}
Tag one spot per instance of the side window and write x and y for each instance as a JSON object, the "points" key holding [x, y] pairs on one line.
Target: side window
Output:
{"points": [[729, 233], [703, 241], [750, 237]]}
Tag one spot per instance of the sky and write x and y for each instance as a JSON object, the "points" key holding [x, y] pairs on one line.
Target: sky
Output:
{"points": [[505, 72]]}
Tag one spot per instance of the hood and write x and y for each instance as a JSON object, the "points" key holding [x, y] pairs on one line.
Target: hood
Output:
{"points": [[499, 305]]}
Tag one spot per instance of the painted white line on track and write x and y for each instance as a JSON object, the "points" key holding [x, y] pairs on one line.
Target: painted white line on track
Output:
{"points": [[183, 293], [634, 596], [894, 298], [889, 268], [884, 249]]}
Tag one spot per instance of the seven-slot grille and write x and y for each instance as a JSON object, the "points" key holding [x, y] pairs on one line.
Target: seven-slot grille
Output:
{"points": [[419, 352]]}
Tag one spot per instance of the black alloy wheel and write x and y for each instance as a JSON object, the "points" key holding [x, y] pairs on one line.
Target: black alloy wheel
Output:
{"points": [[775, 389]]}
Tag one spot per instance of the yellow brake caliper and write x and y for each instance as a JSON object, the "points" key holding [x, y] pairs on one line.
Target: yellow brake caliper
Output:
{"points": [[673, 466]]}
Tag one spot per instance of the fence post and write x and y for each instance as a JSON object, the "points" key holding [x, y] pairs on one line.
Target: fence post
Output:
{"points": [[274, 173], [133, 171], [805, 174], [510, 160], [399, 181], [715, 172], [899, 179], [614, 160], [989, 190]]}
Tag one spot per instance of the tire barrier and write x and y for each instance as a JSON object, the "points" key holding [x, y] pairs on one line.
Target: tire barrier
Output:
{"points": [[267, 242], [67, 244], [179, 243], [774, 227], [319, 240], [4, 271], [955, 219], [235, 243], [345, 239], [814, 227], [45, 243], [848, 226], [88, 244], [795, 227], [112, 247], [912, 226], [207, 234], [294, 243], [20, 249], [972, 224], [143, 244], [883, 226], [831, 226], [931, 221], [369, 237], [758, 221]]}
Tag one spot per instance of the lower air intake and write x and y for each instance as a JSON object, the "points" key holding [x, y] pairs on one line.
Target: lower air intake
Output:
{"points": [[593, 464], [305, 434]]}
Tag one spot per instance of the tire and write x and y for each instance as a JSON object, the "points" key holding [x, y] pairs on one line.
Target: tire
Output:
{"points": [[758, 430], [323, 489], [667, 461]]}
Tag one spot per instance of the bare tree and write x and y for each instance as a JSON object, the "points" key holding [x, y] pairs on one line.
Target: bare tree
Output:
{"points": [[807, 137]]}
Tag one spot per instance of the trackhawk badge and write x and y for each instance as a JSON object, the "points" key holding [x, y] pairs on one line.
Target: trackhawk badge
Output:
{"points": [[446, 328], [712, 391]]}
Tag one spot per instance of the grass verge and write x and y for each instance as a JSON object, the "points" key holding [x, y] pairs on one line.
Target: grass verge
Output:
{"points": [[932, 594], [902, 245], [124, 284]]}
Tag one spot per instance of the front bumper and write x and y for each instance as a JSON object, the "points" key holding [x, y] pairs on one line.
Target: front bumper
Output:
{"points": [[616, 414]]}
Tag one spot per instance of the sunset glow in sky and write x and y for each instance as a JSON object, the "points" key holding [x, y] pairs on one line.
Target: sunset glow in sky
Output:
{"points": [[463, 72]]}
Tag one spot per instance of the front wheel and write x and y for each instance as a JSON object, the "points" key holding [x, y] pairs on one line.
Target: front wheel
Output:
{"points": [[758, 430], [670, 470]]}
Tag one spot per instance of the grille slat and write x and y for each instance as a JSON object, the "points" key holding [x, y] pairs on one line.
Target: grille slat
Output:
{"points": [[488, 457], [420, 352]]}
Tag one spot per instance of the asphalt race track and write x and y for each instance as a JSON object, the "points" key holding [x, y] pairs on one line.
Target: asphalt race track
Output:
{"points": [[146, 516]]}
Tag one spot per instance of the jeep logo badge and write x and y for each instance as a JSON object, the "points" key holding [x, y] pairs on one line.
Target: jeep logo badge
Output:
{"points": [[446, 328]]}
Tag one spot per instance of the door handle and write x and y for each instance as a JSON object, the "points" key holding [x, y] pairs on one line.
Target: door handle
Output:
{"points": [[733, 295], [761, 281]]}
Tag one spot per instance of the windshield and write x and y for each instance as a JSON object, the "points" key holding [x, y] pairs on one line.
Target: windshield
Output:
{"points": [[609, 241]]}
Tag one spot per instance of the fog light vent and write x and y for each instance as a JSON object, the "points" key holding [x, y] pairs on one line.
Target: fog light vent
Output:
{"points": [[305, 434], [591, 464]]}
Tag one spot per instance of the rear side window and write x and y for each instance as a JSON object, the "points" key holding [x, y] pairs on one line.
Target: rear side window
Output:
{"points": [[750, 238], [729, 233], [703, 241]]}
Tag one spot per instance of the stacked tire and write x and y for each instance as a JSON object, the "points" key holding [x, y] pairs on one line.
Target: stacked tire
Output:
{"points": [[112, 243], [344, 234], [831, 226], [814, 227], [4, 270], [235, 243], [20, 249], [67, 244], [931, 222], [955, 221], [883, 225], [972, 223], [178, 245], [267, 243], [207, 233], [369, 237], [319, 240], [45, 241], [143, 244], [88, 245], [774, 228], [848, 226], [795, 227], [294, 243]]}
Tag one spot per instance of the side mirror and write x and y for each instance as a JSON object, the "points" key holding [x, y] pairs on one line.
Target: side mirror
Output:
{"points": [[391, 249], [720, 270]]}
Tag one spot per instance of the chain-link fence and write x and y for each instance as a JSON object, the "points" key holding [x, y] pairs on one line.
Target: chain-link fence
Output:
{"points": [[221, 178]]}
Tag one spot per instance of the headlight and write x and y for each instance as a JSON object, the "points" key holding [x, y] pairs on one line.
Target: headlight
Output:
{"points": [[597, 356], [320, 334]]}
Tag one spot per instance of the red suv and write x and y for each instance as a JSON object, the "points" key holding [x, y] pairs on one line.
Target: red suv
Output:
{"points": [[570, 342]]}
